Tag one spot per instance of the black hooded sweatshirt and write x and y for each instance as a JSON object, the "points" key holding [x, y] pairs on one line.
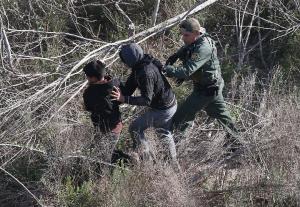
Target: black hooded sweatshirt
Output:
{"points": [[105, 113], [146, 75]]}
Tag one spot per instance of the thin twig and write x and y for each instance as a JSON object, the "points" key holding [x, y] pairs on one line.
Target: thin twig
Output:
{"points": [[20, 183]]}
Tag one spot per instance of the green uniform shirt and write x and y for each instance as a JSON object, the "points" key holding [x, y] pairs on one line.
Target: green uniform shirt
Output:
{"points": [[199, 63]]}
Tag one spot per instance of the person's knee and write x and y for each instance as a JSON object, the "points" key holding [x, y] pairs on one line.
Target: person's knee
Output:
{"points": [[183, 116]]}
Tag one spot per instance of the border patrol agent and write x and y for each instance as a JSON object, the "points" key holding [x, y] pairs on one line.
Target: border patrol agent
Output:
{"points": [[201, 65]]}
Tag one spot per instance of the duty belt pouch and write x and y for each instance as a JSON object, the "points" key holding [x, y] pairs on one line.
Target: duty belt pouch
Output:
{"points": [[211, 90]]}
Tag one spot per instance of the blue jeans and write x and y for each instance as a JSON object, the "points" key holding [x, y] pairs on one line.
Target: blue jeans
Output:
{"points": [[161, 120]]}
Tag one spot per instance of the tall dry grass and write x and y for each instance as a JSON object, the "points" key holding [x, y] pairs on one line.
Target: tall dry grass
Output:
{"points": [[267, 174]]}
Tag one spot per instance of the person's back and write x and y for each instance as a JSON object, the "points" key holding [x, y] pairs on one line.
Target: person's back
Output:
{"points": [[146, 76], [105, 113]]}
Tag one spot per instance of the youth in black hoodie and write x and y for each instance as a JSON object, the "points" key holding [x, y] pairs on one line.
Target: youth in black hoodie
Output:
{"points": [[146, 75], [105, 113], [156, 93]]}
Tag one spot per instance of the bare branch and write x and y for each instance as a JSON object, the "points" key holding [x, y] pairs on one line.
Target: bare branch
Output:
{"points": [[20, 183], [155, 13], [131, 26], [6, 44]]}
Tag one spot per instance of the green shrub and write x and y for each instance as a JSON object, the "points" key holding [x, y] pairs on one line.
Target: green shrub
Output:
{"points": [[77, 196]]}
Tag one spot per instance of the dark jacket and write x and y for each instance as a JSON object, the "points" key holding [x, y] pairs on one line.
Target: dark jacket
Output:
{"points": [[105, 113], [146, 75]]}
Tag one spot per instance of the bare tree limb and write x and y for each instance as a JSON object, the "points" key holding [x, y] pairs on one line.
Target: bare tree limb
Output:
{"points": [[7, 46], [155, 13], [20, 183], [131, 26], [22, 147], [151, 31], [44, 96], [55, 33]]}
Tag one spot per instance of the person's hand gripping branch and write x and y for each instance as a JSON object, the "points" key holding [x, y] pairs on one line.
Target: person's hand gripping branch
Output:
{"points": [[117, 95]]}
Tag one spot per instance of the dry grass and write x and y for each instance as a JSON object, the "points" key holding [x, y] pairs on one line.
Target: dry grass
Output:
{"points": [[48, 158], [267, 173]]}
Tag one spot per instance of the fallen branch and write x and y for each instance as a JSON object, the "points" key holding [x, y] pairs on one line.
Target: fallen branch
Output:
{"points": [[131, 26], [149, 32], [22, 147], [155, 13], [8, 48], [20, 183]]}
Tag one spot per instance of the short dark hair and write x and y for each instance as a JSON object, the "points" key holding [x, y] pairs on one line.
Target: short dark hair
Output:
{"points": [[190, 25], [95, 68]]}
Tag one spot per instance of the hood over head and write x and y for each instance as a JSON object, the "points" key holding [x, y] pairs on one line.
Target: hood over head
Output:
{"points": [[131, 54]]}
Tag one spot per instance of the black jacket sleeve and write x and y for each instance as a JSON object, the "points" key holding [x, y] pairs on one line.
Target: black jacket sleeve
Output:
{"points": [[158, 64], [129, 86], [146, 85], [86, 101]]}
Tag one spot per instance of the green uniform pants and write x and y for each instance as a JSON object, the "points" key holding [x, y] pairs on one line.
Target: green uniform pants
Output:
{"points": [[214, 106]]}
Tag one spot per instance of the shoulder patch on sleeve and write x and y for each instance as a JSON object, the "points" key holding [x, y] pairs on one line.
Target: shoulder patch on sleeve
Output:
{"points": [[195, 56]]}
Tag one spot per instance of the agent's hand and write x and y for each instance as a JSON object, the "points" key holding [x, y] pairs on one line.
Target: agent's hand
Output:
{"points": [[168, 70], [212, 90], [171, 60], [117, 95], [179, 81]]}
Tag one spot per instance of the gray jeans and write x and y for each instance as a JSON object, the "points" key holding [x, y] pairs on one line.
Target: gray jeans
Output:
{"points": [[161, 120]]}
